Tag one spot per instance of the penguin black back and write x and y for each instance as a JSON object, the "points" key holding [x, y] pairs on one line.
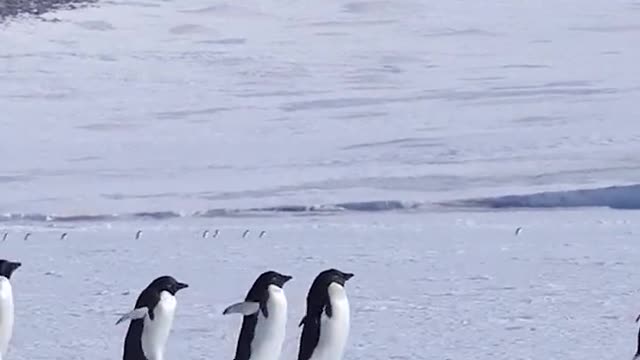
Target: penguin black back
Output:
{"points": [[259, 293], [149, 298], [637, 355], [318, 302], [8, 267], [133, 343]]}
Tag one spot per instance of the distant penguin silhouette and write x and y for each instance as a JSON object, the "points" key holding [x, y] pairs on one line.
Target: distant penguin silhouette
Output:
{"points": [[205, 234], [245, 233], [138, 234], [6, 304], [63, 236], [4, 237], [326, 322], [518, 231], [265, 318], [215, 233], [262, 233], [26, 236], [151, 320]]}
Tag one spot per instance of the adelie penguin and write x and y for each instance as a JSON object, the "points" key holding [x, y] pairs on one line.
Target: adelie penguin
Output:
{"points": [[637, 355], [265, 318], [326, 323], [151, 320], [6, 304]]}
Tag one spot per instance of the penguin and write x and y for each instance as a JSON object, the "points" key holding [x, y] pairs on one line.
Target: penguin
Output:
{"points": [[151, 320], [326, 322], [6, 304], [138, 234], [245, 233], [637, 355], [265, 318]]}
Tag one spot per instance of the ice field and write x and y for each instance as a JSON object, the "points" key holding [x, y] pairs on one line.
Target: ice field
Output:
{"points": [[404, 141]]}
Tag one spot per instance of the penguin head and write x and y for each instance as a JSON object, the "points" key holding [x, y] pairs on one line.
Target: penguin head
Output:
{"points": [[334, 276], [260, 287], [168, 284], [8, 267], [273, 278]]}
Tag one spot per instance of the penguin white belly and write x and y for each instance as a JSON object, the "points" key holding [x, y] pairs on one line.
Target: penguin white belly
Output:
{"points": [[6, 315], [269, 332], [334, 330], [156, 332]]}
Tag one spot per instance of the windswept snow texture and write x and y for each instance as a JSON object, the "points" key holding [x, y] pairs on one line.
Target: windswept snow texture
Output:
{"points": [[9, 8], [346, 130], [184, 106], [616, 197]]}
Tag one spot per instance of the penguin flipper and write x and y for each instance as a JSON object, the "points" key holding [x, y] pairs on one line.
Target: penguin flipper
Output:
{"points": [[134, 314], [245, 308]]}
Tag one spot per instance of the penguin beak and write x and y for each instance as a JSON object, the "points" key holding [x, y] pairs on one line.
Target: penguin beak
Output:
{"points": [[347, 276], [16, 265], [286, 278], [181, 286]]}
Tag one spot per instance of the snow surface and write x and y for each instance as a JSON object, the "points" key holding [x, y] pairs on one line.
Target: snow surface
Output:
{"points": [[146, 106], [436, 286], [404, 141]]}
